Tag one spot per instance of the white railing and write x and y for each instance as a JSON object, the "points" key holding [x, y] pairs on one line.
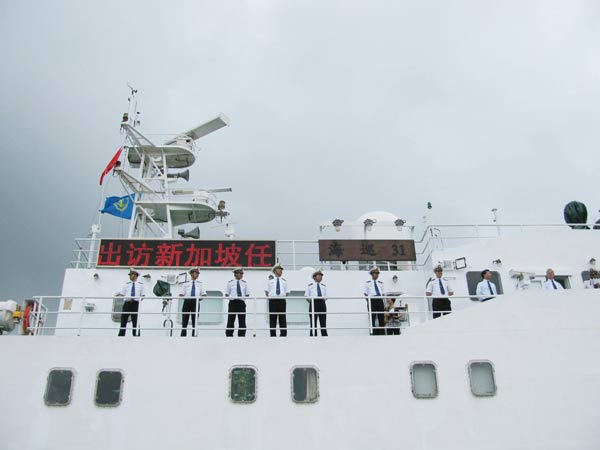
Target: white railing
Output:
{"points": [[356, 317], [295, 254]]}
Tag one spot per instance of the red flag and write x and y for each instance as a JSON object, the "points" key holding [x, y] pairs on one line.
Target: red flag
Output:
{"points": [[111, 164]]}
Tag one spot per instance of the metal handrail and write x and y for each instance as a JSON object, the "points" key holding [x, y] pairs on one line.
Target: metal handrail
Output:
{"points": [[40, 326], [424, 245]]}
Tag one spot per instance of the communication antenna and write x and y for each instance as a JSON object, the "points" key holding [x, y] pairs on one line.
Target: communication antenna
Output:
{"points": [[133, 115]]}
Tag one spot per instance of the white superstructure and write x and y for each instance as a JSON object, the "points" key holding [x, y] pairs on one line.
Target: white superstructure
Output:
{"points": [[520, 371]]}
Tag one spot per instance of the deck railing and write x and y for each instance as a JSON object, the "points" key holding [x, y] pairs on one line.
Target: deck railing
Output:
{"points": [[295, 254], [156, 314]]}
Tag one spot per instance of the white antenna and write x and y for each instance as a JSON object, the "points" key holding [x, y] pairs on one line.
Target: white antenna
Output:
{"points": [[206, 128], [133, 109]]}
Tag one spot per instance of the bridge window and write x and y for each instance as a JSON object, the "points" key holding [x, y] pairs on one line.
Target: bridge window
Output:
{"points": [[481, 374], [59, 387], [242, 384], [305, 384], [424, 380], [117, 308], [212, 303], [109, 388], [296, 309], [473, 279]]}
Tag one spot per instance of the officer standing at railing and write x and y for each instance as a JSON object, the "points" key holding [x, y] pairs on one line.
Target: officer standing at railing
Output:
{"points": [[317, 293], [440, 289], [237, 289], [374, 292], [276, 291], [133, 291], [192, 291]]}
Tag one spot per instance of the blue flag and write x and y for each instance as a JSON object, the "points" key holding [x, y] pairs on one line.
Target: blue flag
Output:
{"points": [[119, 206]]}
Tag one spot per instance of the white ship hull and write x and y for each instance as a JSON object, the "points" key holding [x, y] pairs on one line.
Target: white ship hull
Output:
{"points": [[176, 391]]}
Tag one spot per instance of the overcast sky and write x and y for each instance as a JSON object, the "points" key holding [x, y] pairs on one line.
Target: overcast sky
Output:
{"points": [[337, 108]]}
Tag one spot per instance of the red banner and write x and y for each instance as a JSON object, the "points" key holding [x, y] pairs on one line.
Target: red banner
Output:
{"points": [[185, 253]]}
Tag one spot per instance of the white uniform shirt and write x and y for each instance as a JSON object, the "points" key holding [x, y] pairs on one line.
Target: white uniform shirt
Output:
{"points": [[231, 289], [591, 283], [483, 290], [370, 291], [199, 289], [271, 288], [312, 292], [433, 288], [126, 291], [549, 286]]}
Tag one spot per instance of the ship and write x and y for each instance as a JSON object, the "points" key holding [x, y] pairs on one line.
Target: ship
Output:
{"points": [[517, 368]]}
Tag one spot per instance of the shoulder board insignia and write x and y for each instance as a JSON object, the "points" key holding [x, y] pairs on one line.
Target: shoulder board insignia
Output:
{"points": [[310, 284]]}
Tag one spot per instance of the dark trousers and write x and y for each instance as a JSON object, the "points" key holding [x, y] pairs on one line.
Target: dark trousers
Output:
{"points": [[189, 312], [440, 304], [377, 316], [392, 331], [236, 308], [130, 309], [320, 315], [277, 313]]}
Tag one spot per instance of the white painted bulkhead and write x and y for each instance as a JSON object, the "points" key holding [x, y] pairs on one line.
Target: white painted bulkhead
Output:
{"points": [[175, 393]]}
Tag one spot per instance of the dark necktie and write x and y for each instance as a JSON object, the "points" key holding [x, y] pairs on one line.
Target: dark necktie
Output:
{"points": [[319, 293], [376, 288], [490, 287], [239, 289], [553, 285], [132, 290], [278, 288], [193, 293], [442, 290]]}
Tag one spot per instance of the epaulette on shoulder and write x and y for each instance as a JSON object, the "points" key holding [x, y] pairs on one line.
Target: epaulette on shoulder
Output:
{"points": [[310, 284], [243, 281]]}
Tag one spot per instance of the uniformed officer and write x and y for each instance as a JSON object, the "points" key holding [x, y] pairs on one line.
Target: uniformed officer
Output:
{"points": [[374, 292], [486, 290], [276, 291], [551, 284], [438, 288], [593, 282], [192, 291], [236, 290], [133, 291], [316, 293]]}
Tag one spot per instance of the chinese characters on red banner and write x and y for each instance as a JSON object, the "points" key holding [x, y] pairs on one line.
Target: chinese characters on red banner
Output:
{"points": [[185, 253]]}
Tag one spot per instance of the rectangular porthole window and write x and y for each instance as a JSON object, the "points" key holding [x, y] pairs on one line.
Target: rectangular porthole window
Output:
{"points": [[424, 380], [109, 388], [305, 385], [117, 308], [212, 303], [242, 384], [481, 374], [296, 309], [59, 387]]}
